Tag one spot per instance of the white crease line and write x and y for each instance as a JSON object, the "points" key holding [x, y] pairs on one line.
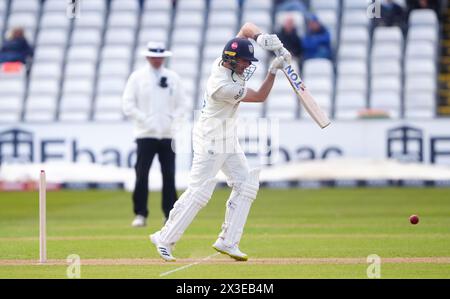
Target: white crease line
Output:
{"points": [[187, 266]]}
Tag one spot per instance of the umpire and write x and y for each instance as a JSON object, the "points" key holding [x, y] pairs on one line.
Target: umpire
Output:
{"points": [[153, 99]]}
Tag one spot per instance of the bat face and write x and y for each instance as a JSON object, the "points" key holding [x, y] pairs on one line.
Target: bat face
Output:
{"points": [[294, 78], [305, 97]]}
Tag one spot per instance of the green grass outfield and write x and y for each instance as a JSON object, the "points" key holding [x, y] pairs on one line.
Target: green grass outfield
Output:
{"points": [[325, 233]]}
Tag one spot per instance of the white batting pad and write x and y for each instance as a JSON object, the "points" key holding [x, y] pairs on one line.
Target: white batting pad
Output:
{"points": [[238, 207]]}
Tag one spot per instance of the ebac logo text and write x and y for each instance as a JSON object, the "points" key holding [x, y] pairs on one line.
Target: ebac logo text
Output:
{"points": [[21, 146]]}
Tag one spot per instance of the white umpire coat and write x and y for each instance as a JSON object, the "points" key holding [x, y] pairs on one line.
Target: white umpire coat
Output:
{"points": [[154, 109]]}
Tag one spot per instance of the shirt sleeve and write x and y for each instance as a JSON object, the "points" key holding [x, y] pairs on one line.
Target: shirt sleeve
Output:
{"points": [[129, 100], [231, 93]]}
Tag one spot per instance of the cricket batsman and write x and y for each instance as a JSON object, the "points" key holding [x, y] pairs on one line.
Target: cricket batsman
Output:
{"points": [[216, 146]]}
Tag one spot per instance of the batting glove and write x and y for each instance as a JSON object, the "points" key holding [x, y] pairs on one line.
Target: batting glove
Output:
{"points": [[269, 42], [285, 54], [277, 64]]}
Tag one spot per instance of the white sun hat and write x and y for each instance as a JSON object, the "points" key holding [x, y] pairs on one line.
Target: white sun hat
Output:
{"points": [[156, 49]]}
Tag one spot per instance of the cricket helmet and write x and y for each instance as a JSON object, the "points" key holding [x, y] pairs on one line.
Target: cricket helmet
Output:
{"points": [[240, 48]]}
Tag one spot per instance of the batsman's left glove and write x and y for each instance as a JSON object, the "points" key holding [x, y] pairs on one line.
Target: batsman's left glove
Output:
{"points": [[269, 42]]}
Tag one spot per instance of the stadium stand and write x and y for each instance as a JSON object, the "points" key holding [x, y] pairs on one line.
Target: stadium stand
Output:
{"points": [[81, 64]]}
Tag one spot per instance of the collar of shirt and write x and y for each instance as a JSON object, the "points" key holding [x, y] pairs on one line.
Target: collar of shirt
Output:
{"points": [[157, 73], [231, 74]]}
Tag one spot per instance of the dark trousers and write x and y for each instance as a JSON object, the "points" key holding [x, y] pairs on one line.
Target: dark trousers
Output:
{"points": [[146, 150]]}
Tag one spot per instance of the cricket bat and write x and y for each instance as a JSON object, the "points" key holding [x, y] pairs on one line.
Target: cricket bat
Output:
{"points": [[304, 96]]}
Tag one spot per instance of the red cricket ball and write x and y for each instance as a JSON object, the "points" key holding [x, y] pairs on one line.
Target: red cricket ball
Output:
{"points": [[414, 219]]}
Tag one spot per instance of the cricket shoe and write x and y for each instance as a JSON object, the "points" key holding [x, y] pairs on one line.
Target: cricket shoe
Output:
{"points": [[165, 251], [232, 251], [139, 221]]}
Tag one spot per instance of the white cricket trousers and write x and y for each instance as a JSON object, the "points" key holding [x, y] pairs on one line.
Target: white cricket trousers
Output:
{"points": [[208, 159]]}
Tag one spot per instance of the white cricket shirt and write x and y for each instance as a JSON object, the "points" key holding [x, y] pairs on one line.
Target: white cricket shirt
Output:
{"points": [[152, 107], [224, 91]]}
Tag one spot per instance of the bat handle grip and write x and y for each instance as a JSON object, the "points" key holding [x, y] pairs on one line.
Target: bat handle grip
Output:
{"points": [[277, 52]]}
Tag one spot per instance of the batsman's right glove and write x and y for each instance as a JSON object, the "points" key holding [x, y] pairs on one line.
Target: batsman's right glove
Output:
{"points": [[277, 64], [284, 53]]}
